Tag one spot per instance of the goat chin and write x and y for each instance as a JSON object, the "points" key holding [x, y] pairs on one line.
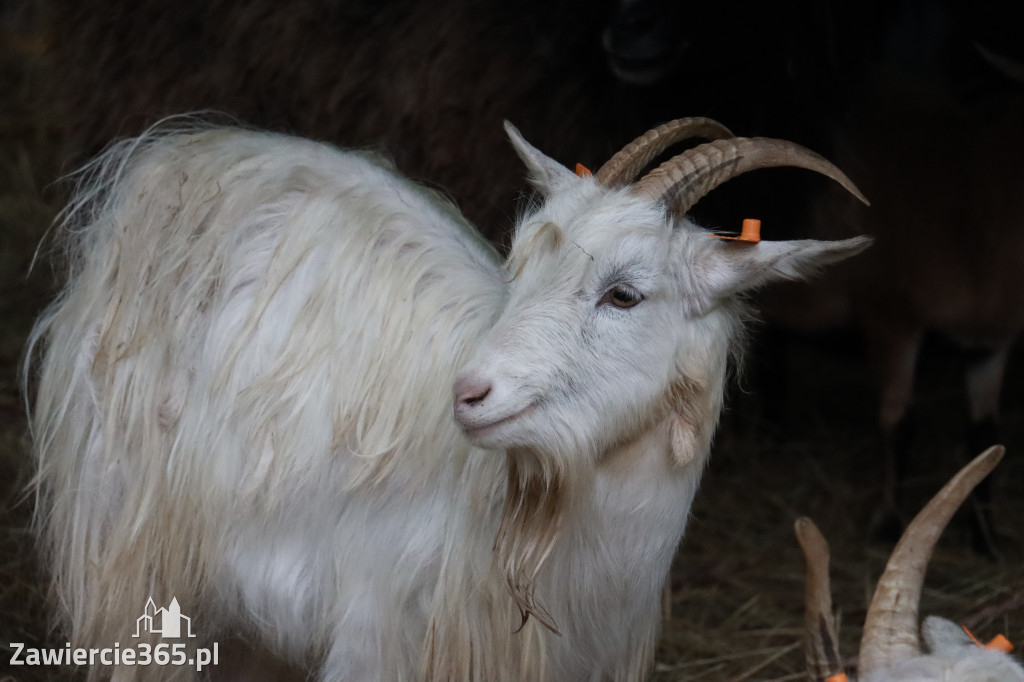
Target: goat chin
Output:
{"points": [[244, 403]]}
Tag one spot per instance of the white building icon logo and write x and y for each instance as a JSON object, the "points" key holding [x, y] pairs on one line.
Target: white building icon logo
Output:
{"points": [[165, 622]]}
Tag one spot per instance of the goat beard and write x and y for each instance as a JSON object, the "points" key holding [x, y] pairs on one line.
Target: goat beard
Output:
{"points": [[536, 501]]}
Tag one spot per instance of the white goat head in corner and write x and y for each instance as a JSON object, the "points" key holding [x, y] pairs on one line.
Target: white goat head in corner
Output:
{"points": [[619, 319], [889, 649]]}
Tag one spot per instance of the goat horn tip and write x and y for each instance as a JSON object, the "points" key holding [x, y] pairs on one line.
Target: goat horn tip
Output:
{"points": [[990, 458]]}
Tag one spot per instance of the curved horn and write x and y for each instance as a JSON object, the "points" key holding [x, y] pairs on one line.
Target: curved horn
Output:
{"points": [[821, 647], [687, 178], [890, 629], [621, 169]]}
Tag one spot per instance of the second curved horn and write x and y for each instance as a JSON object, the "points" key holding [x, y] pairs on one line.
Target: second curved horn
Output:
{"points": [[687, 178], [621, 169]]}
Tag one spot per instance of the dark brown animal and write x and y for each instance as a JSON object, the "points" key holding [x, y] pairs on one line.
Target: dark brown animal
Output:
{"points": [[428, 83], [944, 170]]}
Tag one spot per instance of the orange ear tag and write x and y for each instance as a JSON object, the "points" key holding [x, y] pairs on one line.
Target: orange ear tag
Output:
{"points": [[583, 171], [751, 232], [998, 643], [840, 677]]}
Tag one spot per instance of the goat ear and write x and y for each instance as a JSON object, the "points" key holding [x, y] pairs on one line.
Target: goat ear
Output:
{"points": [[546, 174], [725, 268], [944, 636]]}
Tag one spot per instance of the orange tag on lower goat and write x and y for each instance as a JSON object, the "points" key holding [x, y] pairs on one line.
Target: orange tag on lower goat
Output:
{"points": [[998, 643]]}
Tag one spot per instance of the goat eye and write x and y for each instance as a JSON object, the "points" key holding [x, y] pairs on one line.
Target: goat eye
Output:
{"points": [[621, 297]]}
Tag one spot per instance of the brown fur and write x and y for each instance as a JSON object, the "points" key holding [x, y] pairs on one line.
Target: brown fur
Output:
{"points": [[427, 83]]}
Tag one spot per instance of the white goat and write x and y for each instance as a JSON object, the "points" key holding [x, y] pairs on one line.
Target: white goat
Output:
{"points": [[245, 403], [889, 650]]}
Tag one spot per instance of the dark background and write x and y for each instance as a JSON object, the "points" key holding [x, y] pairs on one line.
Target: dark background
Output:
{"points": [[893, 91]]}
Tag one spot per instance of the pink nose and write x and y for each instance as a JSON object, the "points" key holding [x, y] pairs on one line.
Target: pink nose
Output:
{"points": [[470, 391]]}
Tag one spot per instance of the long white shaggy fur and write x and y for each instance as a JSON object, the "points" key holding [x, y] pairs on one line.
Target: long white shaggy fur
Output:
{"points": [[245, 402]]}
